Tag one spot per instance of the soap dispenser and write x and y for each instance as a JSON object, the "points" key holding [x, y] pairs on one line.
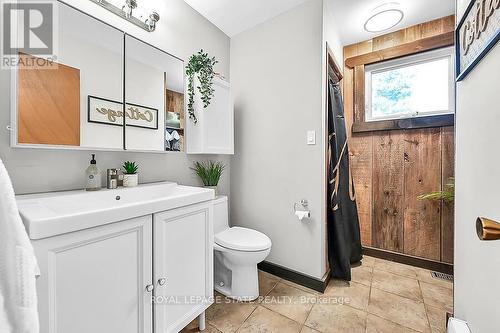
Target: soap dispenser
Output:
{"points": [[93, 176]]}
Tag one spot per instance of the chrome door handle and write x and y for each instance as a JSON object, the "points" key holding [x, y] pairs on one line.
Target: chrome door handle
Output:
{"points": [[162, 281], [487, 229], [149, 288]]}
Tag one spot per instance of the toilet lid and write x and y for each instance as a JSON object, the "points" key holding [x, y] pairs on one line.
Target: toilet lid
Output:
{"points": [[243, 239]]}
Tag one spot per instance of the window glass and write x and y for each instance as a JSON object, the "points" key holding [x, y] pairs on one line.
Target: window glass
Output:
{"points": [[409, 88]]}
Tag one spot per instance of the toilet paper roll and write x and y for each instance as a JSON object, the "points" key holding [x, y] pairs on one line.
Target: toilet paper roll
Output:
{"points": [[301, 214]]}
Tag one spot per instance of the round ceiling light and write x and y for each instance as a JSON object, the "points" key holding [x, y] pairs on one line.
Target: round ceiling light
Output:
{"points": [[384, 17]]}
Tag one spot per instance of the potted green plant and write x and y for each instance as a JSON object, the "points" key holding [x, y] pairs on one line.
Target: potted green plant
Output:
{"points": [[447, 195], [201, 66], [209, 173], [130, 176]]}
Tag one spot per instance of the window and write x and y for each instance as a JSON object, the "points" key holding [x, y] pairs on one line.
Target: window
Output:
{"points": [[412, 86]]}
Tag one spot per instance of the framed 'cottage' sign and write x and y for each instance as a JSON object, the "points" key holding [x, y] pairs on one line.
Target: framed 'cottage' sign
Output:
{"points": [[141, 116], [109, 112], [477, 32]]}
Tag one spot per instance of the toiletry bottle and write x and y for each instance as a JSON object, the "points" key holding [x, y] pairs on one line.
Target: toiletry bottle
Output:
{"points": [[93, 176]]}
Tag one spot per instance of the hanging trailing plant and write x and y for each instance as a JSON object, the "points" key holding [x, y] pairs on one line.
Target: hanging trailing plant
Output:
{"points": [[201, 65]]}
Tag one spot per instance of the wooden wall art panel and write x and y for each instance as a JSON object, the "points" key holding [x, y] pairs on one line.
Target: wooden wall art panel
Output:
{"points": [[48, 106], [388, 190], [447, 208], [422, 174], [360, 152], [391, 168]]}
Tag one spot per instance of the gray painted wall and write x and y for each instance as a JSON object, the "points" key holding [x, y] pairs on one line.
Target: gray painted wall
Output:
{"points": [[182, 32], [276, 78]]}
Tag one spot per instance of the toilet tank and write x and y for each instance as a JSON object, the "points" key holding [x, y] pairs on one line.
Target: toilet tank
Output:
{"points": [[221, 215]]}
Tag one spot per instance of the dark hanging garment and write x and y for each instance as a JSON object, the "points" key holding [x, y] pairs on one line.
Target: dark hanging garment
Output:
{"points": [[344, 242]]}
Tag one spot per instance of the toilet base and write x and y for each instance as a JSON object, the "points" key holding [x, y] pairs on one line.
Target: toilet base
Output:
{"points": [[236, 274], [244, 284]]}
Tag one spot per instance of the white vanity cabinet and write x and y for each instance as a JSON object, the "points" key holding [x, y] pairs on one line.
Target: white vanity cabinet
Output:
{"points": [[152, 273], [183, 266], [214, 131], [95, 280]]}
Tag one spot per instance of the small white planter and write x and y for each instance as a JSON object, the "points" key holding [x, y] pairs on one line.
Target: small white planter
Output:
{"points": [[130, 180], [212, 188]]}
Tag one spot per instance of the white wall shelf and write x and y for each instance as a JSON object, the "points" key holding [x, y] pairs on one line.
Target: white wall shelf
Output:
{"points": [[214, 131]]}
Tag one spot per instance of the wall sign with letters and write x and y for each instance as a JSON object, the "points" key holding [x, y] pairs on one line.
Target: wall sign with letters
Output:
{"points": [[108, 112], [477, 33]]}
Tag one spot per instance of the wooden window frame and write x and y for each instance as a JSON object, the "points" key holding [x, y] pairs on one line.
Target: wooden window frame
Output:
{"points": [[359, 62]]}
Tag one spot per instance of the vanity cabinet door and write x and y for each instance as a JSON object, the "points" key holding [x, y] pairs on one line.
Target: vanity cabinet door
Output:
{"points": [[95, 280], [183, 265]]}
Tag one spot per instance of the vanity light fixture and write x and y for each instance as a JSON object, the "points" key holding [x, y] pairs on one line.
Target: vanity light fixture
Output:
{"points": [[384, 17], [151, 21], [127, 12], [129, 7]]}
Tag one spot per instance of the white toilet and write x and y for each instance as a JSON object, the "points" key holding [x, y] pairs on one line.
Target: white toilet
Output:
{"points": [[237, 251]]}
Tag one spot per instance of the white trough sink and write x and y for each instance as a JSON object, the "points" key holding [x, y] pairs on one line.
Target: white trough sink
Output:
{"points": [[50, 214]]}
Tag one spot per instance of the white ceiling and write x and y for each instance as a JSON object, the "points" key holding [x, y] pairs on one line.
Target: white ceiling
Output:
{"points": [[350, 15], [235, 16]]}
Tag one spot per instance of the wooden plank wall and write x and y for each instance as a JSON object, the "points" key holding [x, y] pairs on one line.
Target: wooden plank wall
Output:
{"points": [[391, 168]]}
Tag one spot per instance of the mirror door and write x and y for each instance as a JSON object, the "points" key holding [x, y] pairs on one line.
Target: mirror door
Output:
{"points": [[154, 98], [74, 102]]}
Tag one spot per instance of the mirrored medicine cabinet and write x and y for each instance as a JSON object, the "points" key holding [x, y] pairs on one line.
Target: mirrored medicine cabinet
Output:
{"points": [[106, 90]]}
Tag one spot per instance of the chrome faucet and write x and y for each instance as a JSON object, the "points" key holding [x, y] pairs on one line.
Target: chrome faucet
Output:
{"points": [[112, 178]]}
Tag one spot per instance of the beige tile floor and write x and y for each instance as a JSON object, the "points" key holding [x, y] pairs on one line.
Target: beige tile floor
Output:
{"points": [[383, 297]]}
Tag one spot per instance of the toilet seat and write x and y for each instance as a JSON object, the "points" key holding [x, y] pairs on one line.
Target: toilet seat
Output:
{"points": [[243, 239]]}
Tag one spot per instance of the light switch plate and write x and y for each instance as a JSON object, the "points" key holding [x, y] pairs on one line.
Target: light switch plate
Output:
{"points": [[311, 137]]}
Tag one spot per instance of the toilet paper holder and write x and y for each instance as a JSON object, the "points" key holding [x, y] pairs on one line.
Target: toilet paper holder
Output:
{"points": [[304, 212]]}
